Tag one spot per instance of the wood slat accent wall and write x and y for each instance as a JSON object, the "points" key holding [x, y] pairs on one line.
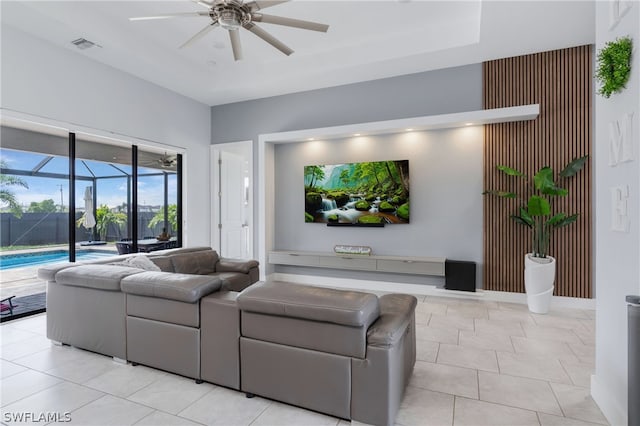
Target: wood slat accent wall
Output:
{"points": [[561, 82]]}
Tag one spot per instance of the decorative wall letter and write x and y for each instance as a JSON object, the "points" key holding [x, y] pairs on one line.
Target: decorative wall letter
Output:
{"points": [[619, 211], [620, 140], [617, 10]]}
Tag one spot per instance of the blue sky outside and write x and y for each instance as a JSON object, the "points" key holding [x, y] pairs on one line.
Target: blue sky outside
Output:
{"points": [[112, 192]]}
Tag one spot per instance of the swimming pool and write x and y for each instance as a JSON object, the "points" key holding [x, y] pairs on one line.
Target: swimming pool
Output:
{"points": [[11, 261]]}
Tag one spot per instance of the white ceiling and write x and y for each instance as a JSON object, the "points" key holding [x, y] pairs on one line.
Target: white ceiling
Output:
{"points": [[367, 40]]}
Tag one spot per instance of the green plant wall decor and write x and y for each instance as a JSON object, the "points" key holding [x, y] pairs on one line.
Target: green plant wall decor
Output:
{"points": [[614, 66]]}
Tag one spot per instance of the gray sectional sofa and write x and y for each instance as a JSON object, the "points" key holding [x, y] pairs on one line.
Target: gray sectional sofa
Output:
{"points": [[87, 307], [345, 353]]}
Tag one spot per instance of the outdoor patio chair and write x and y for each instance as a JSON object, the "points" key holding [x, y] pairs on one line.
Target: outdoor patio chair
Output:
{"points": [[123, 248], [6, 308]]}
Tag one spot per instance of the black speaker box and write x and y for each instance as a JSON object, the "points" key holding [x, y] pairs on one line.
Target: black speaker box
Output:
{"points": [[460, 275]]}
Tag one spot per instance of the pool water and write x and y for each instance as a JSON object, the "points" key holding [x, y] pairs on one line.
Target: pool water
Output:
{"points": [[12, 261]]}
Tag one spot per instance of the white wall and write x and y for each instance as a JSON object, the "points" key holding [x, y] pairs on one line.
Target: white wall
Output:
{"points": [[445, 169], [617, 254], [63, 86]]}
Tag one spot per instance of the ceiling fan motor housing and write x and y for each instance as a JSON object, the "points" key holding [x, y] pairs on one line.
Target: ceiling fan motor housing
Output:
{"points": [[231, 14]]}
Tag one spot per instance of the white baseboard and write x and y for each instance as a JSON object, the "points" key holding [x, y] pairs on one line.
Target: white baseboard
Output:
{"points": [[610, 407], [426, 290]]}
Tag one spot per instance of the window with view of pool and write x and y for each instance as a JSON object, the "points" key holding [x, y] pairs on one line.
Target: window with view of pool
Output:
{"points": [[12, 261]]}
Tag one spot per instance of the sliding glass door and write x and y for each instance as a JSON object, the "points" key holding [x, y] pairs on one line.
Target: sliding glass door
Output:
{"points": [[68, 196]]}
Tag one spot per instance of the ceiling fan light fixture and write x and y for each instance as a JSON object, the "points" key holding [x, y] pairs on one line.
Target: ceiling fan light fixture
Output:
{"points": [[231, 18]]}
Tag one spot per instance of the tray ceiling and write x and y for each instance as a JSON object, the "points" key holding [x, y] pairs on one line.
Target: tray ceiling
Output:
{"points": [[367, 40]]}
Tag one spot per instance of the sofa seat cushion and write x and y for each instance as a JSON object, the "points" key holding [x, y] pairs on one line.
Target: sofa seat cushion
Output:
{"points": [[228, 265], [199, 263], [350, 308], [102, 277], [172, 286], [396, 312]]}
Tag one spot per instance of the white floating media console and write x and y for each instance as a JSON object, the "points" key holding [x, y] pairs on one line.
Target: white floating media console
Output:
{"points": [[434, 266]]}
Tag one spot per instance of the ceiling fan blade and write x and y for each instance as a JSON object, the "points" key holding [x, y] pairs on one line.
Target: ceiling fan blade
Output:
{"points": [[263, 4], [268, 38], [289, 22], [205, 3], [171, 15], [199, 34], [234, 35]]}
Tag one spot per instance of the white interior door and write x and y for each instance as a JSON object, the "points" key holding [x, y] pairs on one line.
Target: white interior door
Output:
{"points": [[234, 207]]}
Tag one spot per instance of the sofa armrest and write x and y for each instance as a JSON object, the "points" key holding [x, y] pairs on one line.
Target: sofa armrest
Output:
{"points": [[396, 313], [230, 265], [48, 272]]}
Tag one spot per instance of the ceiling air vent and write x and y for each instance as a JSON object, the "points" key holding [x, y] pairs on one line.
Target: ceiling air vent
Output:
{"points": [[83, 43]]}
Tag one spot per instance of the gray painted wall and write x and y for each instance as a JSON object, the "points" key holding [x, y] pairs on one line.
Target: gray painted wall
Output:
{"points": [[442, 91], [435, 92], [446, 203]]}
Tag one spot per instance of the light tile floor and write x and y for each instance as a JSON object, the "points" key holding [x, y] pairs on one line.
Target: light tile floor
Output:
{"points": [[479, 363]]}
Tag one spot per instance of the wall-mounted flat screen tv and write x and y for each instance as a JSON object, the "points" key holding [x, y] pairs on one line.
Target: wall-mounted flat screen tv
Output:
{"points": [[358, 193]]}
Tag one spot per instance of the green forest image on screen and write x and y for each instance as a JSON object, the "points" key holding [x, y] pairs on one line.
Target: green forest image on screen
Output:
{"points": [[359, 193]]}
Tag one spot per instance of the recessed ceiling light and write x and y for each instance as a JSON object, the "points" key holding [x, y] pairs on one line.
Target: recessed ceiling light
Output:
{"points": [[356, 134], [311, 139], [409, 130], [468, 124]]}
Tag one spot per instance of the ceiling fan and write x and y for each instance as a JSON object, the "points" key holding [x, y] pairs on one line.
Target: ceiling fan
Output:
{"points": [[167, 161], [235, 14]]}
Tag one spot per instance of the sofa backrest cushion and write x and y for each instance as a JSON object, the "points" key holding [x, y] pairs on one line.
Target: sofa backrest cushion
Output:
{"points": [[179, 250], [163, 262], [200, 262], [102, 277]]}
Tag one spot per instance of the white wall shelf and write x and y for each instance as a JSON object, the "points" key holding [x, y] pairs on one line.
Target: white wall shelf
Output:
{"points": [[394, 264]]}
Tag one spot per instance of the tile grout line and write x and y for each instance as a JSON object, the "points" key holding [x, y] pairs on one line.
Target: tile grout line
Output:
{"points": [[38, 391], [538, 417], [193, 402], [265, 409], [453, 414], [556, 398], [567, 373]]}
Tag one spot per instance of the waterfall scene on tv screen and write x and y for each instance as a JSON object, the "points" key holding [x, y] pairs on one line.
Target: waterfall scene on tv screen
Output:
{"points": [[359, 193]]}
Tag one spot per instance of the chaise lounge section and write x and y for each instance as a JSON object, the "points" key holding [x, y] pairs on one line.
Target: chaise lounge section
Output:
{"points": [[346, 353]]}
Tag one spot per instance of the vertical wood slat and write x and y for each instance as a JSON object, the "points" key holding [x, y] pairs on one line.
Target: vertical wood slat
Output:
{"points": [[560, 81]]}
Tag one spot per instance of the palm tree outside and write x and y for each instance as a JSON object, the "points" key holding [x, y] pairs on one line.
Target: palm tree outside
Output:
{"points": [[7, 197]]}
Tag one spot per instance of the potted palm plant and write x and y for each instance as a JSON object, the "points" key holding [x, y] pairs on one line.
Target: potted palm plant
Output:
{"points": [[536, 213]]}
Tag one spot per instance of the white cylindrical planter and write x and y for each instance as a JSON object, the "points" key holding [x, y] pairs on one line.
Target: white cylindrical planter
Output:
{"points": [[539, 276]]}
